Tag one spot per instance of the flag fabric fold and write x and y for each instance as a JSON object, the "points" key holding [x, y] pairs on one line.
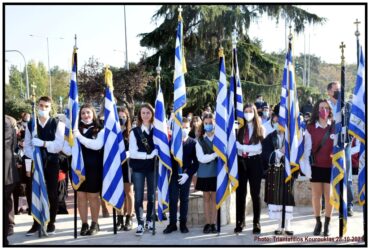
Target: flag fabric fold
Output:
{"points": [[239, 94], [220, 138], [114, 149], [289, 120], [356, 126], [161, 142], [77, 165], [232, 159], [179, 95], [40, 201]]}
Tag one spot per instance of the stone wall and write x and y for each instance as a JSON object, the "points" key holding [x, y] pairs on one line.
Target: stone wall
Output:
{"points": [[302, 197]]}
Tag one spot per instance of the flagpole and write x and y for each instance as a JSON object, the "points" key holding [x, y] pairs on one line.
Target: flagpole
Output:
{"points": [[74, 190], [341, 140], [157, 84]]}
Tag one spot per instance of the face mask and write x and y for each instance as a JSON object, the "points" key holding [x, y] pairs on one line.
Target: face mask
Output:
{"points": [[87, 123], [249, 116], [189, 118], [43, 113], [276, 126], [323, 113], [336, 94], [265, 113], [26, 120], [208, 127], [122, 121], [185, 132]]}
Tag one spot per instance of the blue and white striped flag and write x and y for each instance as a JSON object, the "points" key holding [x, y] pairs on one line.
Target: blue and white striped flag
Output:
{"points": [[179, 95], [232, 160], [289, 121], [220, 139], [160, 137], [77, 166], [239, 94], [40, 201], [338, 171], [114, 149], [356, 125]]}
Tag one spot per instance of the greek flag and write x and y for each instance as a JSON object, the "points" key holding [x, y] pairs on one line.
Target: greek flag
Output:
{"points": [[356, 125], [77, 166], [160, 137], [220, 139], [289, 121], [114, 149], [40, 201], [179, 95], [338, 171], [239, 94], [232, 160]]}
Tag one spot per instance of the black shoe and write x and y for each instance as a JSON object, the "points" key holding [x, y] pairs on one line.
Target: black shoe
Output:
{"points": [[326, 226], [289, 232], [170, 228], [350, 212], [278, 232], [84, 229], [207, 229], [238, 229], [213, 229], [94, 229], [256, 228], [34, 229], [183, 228], [50, 228], [120, 224], [128, 223], [318, 226]]}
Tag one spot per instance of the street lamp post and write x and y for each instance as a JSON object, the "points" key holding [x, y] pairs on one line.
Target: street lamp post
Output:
{"points": [[24, 59], [124, 9], [47, 44]]}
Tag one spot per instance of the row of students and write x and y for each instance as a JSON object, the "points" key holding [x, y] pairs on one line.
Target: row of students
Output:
{"points": [[251, 155]]}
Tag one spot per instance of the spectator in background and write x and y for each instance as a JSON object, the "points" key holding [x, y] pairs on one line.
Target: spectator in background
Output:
{"points": [[273, 124], [265, 114], [260, 104], [308, 106], [10, 175], [196, 122]]}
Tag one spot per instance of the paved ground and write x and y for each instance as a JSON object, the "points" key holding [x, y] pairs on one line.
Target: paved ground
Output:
{"points": [[303, 225]]}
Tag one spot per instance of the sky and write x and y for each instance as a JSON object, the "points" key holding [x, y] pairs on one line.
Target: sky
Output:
{"points": [[100, 31]]}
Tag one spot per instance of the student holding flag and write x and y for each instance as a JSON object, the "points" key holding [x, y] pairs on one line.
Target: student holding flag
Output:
{"points": [[50, 139], [207, 172], [142, 159], [250, 167], [180, 182], [91, 136], [319, 147]]}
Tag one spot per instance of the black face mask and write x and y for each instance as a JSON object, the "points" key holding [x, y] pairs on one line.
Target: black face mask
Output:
{"points": [[336, 94], [122, 121]]}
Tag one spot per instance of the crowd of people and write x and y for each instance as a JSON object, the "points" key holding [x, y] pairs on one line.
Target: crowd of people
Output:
{"points": [[260, 147]]}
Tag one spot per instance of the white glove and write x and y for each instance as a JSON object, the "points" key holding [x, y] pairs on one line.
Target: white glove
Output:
{"points": [[183, 179], [239, 146], [214, 155], [76, 133], [153, 154], [36, 142]]}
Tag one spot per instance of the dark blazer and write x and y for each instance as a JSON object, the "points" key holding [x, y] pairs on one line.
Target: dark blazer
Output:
{"points": [[10, 143]]}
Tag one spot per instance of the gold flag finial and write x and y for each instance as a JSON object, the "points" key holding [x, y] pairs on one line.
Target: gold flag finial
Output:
{"points": [[221, 52], [108, 77]]}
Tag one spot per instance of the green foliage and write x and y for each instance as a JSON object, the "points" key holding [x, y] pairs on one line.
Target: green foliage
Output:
{"points": [[15, 107]]}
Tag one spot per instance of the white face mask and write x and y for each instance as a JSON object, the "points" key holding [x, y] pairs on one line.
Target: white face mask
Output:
{"points": [[249, 116], [185, 132], [44, 113], [276, 126]]}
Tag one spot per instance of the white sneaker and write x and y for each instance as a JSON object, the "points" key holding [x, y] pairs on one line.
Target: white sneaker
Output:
{"points": [[139, 230], [150, 226]]}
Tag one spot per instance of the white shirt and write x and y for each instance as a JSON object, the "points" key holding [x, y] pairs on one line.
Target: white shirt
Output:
{"points": [[134, 150], [94, 144], [51, 146], [254, 149], [268, 127], [204, 158]]}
